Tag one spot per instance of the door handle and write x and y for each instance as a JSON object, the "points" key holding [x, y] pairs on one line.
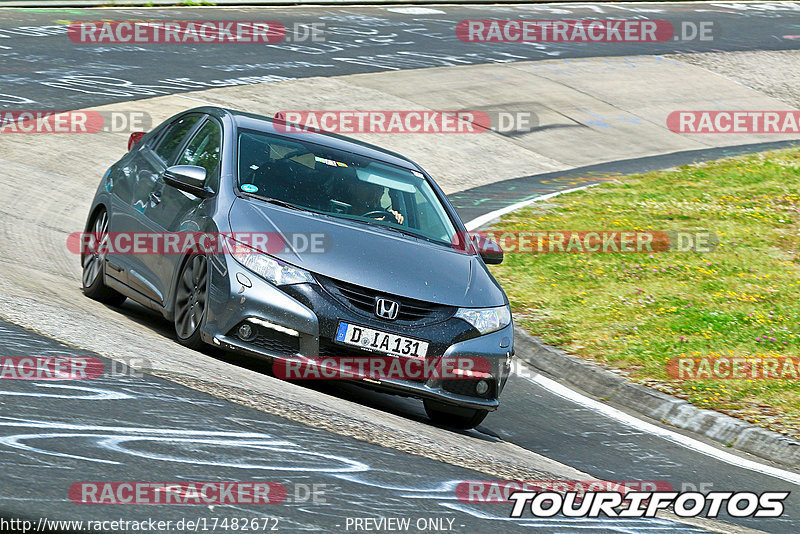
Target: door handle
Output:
{"points": [[155, 197]]}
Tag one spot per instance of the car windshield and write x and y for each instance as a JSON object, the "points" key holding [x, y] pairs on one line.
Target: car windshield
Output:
{"points": [[340, 184]]}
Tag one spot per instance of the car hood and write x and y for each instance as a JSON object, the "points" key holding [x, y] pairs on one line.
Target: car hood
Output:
{"points": [[370, 257]]}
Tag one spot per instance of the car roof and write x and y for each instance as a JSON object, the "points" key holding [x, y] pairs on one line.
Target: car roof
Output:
{"points": [[263, 123]]}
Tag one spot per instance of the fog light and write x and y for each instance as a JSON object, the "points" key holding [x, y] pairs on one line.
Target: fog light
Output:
{"points": [[482, 387], [245, 332]]}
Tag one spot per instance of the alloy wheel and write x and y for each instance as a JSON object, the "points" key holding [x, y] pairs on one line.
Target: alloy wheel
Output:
{"points": [[190, 300], [93, 259]]}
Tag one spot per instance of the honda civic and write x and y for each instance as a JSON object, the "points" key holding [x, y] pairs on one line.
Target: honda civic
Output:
{"points": [[372, 262]]}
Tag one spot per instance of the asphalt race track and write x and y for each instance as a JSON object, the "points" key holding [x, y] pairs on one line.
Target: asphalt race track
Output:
{"points": [[127, 429], [35, 70], [341, 451]]}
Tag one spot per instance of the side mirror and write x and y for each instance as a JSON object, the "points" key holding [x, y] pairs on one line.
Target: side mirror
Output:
{"points": [[189, 178], [489, 250], [135, 138], [492, 258]]}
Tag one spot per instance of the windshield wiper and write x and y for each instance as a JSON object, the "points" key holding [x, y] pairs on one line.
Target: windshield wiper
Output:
{"points": [[271, 200], [395, 229]]}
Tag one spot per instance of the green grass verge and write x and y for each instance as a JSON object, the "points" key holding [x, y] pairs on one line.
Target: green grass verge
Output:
{"points": [[635, 311]]}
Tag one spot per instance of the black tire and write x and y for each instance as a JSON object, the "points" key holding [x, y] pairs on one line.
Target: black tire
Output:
{"points": [[454, 416], [191, 299], [93, 263]]}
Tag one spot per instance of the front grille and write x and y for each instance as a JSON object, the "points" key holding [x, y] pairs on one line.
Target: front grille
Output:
{"points": [[363, 300], [467, 387]]}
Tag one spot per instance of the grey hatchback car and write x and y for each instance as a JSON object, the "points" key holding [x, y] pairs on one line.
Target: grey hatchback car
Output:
{"points": [[373, 260]]}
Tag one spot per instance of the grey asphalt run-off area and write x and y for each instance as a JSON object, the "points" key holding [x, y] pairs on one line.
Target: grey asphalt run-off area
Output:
{"points": [[341, 451]]}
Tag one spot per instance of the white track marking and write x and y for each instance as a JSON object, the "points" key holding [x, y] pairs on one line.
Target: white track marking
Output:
{"points": [[415, 10], [483, 219], [206, 102], [674, 437]]}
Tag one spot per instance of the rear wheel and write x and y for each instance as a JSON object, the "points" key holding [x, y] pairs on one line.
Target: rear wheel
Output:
{"points": [[191, 297], [454, 416], [93, 260]]}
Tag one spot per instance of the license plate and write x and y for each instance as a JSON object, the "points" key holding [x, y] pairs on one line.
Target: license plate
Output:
{"points": [[375, 340]]}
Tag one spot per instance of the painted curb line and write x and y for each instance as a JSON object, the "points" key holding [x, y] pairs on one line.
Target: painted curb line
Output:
{"points": [[601, 383]]}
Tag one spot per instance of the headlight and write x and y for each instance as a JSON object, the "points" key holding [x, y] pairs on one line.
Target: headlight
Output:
{"points": [[486, 320], [267, 267]]}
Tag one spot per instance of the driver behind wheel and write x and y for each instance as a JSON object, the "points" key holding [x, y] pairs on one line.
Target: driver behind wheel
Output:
{"points": [[366, 198]]}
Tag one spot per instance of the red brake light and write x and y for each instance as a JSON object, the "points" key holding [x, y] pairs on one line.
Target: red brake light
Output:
{"points": [[134, 138]]}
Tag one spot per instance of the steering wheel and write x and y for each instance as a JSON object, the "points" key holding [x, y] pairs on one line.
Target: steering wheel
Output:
{"points": [[293, 153], [380, 214]]}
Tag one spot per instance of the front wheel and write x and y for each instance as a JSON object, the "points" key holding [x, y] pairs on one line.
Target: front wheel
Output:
{"points": [[191, 298], [93, 261], [454, 416]]}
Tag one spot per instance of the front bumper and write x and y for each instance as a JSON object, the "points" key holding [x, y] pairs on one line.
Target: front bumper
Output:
{"points": [[300, 321]]}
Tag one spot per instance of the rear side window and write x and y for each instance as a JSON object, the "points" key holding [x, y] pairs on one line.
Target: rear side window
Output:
{"points": [[203, 149], [175, 135]]}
